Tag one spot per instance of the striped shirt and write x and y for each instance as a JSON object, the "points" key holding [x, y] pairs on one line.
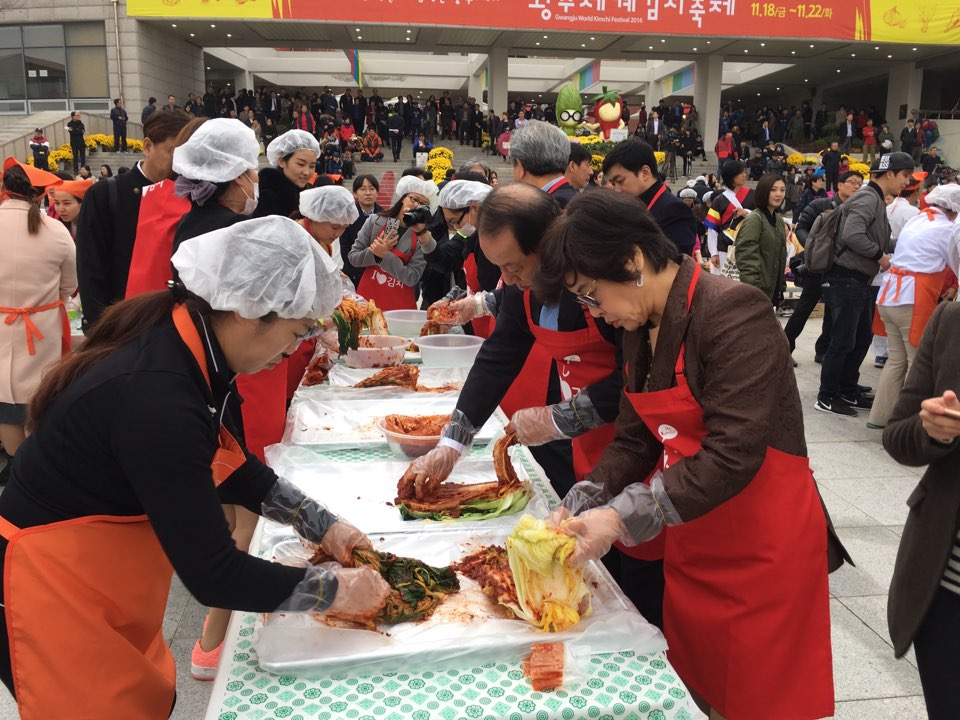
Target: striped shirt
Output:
{"points": [[951, 574]]}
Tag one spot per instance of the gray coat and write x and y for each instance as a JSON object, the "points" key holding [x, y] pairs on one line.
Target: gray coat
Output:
{"points": [[361, 257], [864, 231], [934, 517]]}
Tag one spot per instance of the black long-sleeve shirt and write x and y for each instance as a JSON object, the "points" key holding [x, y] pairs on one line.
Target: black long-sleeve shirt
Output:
{"points": [[674, 218], [278, 196], [136, 435]]}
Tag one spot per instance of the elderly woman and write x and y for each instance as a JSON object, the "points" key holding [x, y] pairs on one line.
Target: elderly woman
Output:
{"points": [[93, 531], [924, 602], [761, 245], [390, 247], [293, 162], [711, 416], [38, 273], [911, 290]]}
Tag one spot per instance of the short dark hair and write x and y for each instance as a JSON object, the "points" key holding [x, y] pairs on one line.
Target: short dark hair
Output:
{"points": [[598, 234], [729, 172], [418, 171], [631, 155], [843, 177], [358, 182], [116, 101], [579, 154], [151, 101], [764, 186], [164, 124], [472, 175], [523, 210]]}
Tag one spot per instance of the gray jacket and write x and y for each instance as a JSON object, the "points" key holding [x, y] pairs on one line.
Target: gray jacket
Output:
{"points": [[864, 232], [361, 257]]}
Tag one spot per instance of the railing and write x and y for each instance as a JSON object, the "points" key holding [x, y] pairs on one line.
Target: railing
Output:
{"points": [[58, 135], [942, 114]]}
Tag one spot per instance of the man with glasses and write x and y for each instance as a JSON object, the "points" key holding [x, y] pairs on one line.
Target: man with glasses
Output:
{"points": [[847, 185]]}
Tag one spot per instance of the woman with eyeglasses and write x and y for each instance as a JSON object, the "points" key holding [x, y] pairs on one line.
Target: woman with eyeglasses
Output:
{"points": [[711, 417], [390, 247], [134, 445]]}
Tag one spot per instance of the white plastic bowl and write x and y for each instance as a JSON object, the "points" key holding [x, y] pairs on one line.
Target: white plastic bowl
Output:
{"points": [[406, 323], [449, 350], [382, 351]]}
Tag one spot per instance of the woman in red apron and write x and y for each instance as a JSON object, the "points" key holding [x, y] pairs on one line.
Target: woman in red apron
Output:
{"points": [[85, 587], [391, 252], [719, 424]]}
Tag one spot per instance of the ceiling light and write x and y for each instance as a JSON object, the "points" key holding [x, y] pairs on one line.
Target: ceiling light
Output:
{"points": [[708, 42], [746, 51], [593, 38], [694, 49], [793, 52], [208, 67], [877, 47], [409, 31], [173, 24], [357, 29], [541, 95], [889, 57], [212, 25], [914, 49], [651, 47], [763, 44], [853, 54], [409, 39], [538, 43], [663, 40], [838, 69], [806, 80], [544, 37], [758, 94], [812, 45], [192, 35], [778, 88], [229, 35], [359, 37], [583, 44]]}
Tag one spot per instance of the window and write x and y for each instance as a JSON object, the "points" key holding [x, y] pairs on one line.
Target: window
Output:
{"points": [[46, 72], [85, 34], [10, 37], [11, 75], [42, 36], [87, 72]]}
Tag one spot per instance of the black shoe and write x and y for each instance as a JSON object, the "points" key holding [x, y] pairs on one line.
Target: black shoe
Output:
{"points": [[834, 406], [864, 402], [865, 389], [818, 359]]}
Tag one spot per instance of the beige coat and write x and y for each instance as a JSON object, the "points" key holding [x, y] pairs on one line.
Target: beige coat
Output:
{"points": [[35, 270]]}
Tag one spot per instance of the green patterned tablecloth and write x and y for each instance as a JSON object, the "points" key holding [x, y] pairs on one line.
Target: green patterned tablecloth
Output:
{"points": [[619, 686]]}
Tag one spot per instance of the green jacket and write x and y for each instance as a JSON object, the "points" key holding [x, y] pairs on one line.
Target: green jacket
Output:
{"points": [[761, 253]]}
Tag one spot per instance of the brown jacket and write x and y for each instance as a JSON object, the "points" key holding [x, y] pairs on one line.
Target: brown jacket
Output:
{"points": [[935, 504], [739, 370]]}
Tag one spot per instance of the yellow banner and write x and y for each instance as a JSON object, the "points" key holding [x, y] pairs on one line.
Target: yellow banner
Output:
{"points": [[926, 21], [212, 9]]}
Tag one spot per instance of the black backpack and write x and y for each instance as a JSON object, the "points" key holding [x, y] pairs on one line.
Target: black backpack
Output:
{"points": [[821, 252]]}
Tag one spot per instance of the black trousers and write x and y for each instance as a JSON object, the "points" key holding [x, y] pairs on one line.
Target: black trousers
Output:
{"points": [[937, 646], [120, 138], [809, 297], [79, 151], [851, 303]]}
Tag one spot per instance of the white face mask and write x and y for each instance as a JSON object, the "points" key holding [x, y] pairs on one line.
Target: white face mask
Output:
{"points": [[250, 204]]}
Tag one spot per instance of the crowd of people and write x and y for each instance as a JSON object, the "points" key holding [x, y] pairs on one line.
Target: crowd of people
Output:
{"points": [[624, 360]]}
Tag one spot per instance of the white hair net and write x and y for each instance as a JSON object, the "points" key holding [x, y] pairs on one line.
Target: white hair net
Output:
{"points": [[222, 149], [707, 197], [688, 193], [946, 197], [330, 203], [414, 184], [290, 142], [460, 194], [256, 267]]}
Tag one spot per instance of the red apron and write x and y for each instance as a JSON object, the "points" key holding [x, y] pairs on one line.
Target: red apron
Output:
{"points": [[482, 326], [583, 357], [85, 600], [746, 604], [264, 408], [529, 389], [389, 293], [31, 329], [160, 211]]}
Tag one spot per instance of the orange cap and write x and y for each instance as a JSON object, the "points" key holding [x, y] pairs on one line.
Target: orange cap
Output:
{"points": [[77, 188], [916, 180], [37, 177]]}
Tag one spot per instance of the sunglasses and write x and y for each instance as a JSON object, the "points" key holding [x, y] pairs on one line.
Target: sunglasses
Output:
{"points": [[586, 299]]}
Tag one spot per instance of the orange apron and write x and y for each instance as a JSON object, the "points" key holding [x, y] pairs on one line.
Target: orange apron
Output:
{"points": [[32, 331], [583, 357], [927, 288], [389, 293], [746, 602], [85, 600]]}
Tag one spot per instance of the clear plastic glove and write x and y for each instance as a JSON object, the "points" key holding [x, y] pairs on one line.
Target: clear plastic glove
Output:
{"points": [[459, 312], [595, 530], [329, 339], [361, 594], [555, 518], [286, 504], [425, 474], [340, 540], [535, 426]]}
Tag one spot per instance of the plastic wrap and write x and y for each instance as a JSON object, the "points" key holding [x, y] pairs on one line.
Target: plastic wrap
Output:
{"points": [[430, 377], [362, 493], [337, 421], [466, 627]]}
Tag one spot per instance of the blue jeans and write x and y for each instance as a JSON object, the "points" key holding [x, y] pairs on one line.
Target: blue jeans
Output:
{"points": [[850, 302]]}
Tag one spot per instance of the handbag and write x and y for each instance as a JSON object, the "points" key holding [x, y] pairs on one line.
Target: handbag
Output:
{"points": [[730, 269]]}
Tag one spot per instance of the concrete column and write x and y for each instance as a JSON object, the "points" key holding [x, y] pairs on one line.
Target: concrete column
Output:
{"points": [[903, 88], [242, 80], [497, 79], [706, 96]]}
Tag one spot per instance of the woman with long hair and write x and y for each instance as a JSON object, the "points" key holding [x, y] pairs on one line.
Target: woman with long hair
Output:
{"points": [[38, 274], [761, 245]]}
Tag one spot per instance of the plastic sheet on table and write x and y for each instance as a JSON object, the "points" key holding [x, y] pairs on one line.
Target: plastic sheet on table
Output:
{"points": [[364, 492], [467, 627], [340, 421], [343, 376]]}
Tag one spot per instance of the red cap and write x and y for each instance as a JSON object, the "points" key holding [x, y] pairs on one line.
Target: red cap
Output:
{"points": [[37, 177]]}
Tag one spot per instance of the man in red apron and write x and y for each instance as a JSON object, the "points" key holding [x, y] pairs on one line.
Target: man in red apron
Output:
{"points": [[574, 393]]}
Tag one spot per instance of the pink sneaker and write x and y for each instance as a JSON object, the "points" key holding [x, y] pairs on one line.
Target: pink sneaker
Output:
{"points": [[203, 665]]}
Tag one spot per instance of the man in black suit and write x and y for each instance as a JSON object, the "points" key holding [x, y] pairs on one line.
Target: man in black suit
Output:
{"points": [[631, 167]]}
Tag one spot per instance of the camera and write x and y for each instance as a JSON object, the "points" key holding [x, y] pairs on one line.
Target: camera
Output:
{"points": [[417, 216]]}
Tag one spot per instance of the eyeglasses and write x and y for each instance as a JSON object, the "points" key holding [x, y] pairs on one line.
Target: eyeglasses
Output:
{"points": [[586, 299], [314, 331]]}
